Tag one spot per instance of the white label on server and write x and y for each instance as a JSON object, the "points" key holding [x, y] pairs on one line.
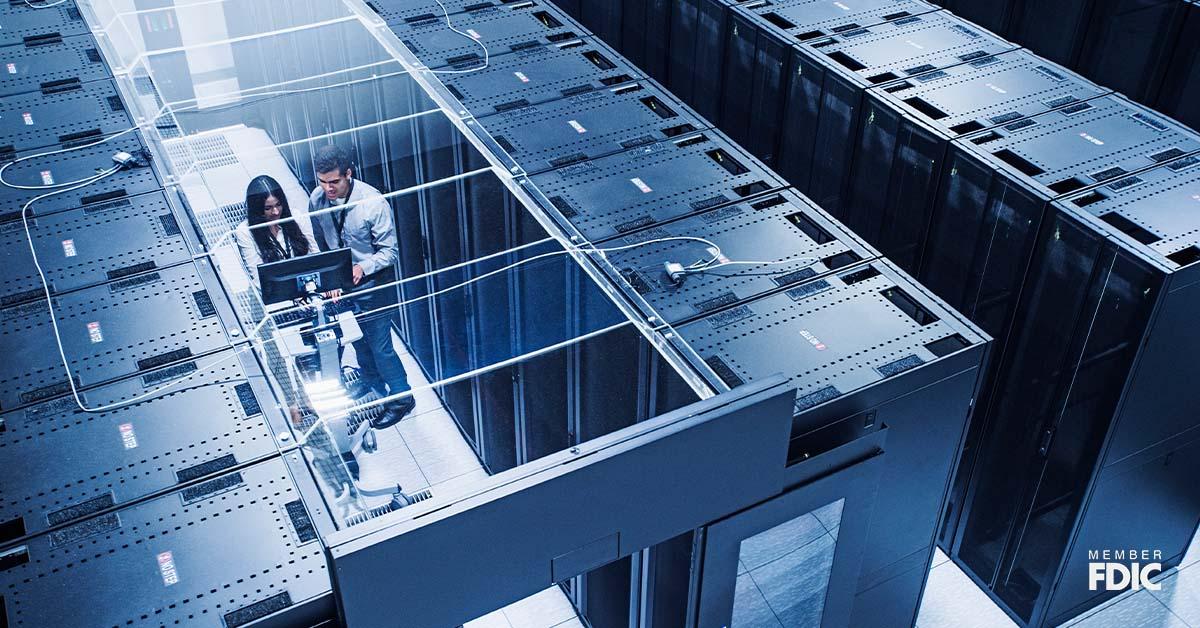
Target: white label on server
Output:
{"points": [[521, 75], [47, 178], [472, 33], [914, 44], [94, 333], [69, 248], [28, 118], [841, 6], [997, 89], [578, 127], [128, 438], [1091, 138], [166, 568], [12, 68], [641, 185]]}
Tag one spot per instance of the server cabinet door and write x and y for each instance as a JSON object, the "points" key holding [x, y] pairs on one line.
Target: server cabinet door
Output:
{"points": [[792, 561]]}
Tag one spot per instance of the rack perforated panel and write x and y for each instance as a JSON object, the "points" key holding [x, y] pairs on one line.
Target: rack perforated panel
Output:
{"points": [[502, 28], [33, 64], [75, 462], [73, 165], [132, 324], [392, 10], [774, 229], [1083, 144], [613, 195], [598, 123], [802, 20], [22, 21], [90, 245], [538, 74], [67, 113], [1158, 208], [168, 561]]}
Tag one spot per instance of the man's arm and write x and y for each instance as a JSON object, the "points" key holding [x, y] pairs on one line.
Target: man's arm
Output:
{"points": [[383, 238]]}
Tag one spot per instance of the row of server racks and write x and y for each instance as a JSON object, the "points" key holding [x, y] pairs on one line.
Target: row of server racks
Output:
{"points": [[1049, 210], [620, 163], [123, 517]]}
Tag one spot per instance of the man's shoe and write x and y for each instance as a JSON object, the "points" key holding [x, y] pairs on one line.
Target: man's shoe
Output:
{"points": [[393, 414]]}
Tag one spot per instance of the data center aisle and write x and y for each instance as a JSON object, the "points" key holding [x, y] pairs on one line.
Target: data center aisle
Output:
{"points": [[953, 601], [426, 451]]}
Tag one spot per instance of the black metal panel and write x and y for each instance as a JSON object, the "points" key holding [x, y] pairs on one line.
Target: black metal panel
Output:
{"points": [[830, 74], [131, 324], [591, 125], [613, 195], [503, 28], [1181, 84], [74, 165], [698, 33], [70, 458], [67, 112], [539, 74], [906, 127], [87, 246], [1129, 44], [161, 561], [646, 33], [864, 347], [25, 68], [788, 236], [25, 21]]}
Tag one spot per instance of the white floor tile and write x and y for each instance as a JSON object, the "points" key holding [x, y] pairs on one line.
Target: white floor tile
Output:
{"points": [[1140, 609], [495, 619], [541, 610], [953, 601], [1181, 593]]}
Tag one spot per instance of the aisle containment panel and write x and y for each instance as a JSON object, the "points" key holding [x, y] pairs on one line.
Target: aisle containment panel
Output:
{"points": [[74, 165], [758, 64], [607, 197], [537, 74], [594, 124], [133, 324], [998, 182], [828, 79], [502, 28], [89, 245], [66, 113], [907, 127], [22, 21], [765, 245], [161, 561], [1091, 437], [40, 62], [76, 463], [865, 346]]}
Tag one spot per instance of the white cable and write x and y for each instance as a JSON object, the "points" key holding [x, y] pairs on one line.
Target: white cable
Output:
{"points": [[486, 54], [44, 6], [792, 260]]}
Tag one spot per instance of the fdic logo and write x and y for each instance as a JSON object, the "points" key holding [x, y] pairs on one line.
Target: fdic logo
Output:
{"points": [[1118, 570]]}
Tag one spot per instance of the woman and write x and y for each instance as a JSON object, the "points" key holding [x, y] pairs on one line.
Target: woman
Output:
{"points": [[262, 244]]}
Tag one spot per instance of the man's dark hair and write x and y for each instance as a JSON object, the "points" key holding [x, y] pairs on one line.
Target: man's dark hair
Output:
{"points": [[330, 158]]}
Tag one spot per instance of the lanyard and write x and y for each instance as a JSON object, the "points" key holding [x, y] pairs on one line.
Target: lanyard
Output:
{"points": [[339, 219]]}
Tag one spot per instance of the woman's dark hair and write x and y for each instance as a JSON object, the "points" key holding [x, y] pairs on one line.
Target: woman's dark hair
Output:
{"points": [[261, 188]]}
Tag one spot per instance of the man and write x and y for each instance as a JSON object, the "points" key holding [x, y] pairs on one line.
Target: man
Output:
{"points": [[362, 220]]}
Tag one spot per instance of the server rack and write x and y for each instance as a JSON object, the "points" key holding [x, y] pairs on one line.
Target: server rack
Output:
{"points": [[74, 165], [502, 28], [65, 112], [697, 54], [607, 197], [758, 65], [160, 562], [1091, 438], [135, 323], [828, 81], [865, 347], [90, 245], [793, 240], [998, 183], [645, 35], [1181, 87], [906, 128], [24, 21], [538, 74], [42, 61], [74, 463], [591, 125]]}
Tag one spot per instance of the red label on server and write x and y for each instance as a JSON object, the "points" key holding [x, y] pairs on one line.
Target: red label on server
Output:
{"points": [[166, 568]]}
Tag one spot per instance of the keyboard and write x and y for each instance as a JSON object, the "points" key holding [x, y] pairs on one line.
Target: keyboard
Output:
{"points": [[308, 314]]}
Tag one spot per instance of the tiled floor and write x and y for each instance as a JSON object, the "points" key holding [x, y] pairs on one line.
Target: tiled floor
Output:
{"points": [[426, 450]]}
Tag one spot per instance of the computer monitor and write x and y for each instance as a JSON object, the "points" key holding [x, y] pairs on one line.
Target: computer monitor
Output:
{"points": [[286, 280]]}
